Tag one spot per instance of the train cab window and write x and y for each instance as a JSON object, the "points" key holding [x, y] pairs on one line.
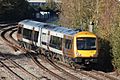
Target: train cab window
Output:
{"points": [[68, 44], [56, 42], [86, 43], [27, 34], [36, 33]]}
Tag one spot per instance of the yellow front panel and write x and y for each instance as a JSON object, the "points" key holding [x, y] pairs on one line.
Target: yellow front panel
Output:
{"points": [[86, 53], [85, 34]]}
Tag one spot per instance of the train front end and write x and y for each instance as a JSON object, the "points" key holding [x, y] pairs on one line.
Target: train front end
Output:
{"points": [[85, 47]]}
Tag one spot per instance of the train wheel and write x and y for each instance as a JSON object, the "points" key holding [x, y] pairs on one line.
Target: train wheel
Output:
{"points": [[48, 54], [71, 63], [21, 44], [38, 51], [61, 58], [28, 46], [53, 57], [24, 45], [58, 57], [42, 52], [65, 59]]}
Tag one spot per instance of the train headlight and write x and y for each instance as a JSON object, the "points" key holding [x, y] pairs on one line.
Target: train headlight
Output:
{"points": [[78, 54]]}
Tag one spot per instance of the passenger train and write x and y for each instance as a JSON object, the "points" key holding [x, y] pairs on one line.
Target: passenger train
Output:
{"points": [[58, 42]]}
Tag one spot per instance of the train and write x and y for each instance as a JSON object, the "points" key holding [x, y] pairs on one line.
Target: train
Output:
{"points": [[58, 42]]}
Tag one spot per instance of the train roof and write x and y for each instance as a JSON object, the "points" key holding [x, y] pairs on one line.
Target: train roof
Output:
{"points": [[51, 27], [31, 23]]}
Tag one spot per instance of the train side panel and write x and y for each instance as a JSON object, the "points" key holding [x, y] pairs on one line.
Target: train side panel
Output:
{"points": [[44, 38], [55, 42]]}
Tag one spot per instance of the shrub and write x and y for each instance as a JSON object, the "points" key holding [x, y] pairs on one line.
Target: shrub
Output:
{"points": [[115, 42]]}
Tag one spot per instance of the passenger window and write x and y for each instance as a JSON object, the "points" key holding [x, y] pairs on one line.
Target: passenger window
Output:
{"points": [[27, 34], [56, 42], [68, 44], [36, 33]]}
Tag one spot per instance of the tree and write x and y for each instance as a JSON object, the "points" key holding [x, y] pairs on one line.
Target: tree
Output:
{"points": [[14, 9], [50, 5], [115, 35], [109, 28], [75, 13], [105, 15]]}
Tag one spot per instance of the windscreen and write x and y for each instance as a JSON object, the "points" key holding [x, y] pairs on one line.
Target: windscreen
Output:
{"points": [[86, 43]]}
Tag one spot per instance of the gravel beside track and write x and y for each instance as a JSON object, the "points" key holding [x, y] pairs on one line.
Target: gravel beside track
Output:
{"points": [[97, 75], [11, 71], [68, 75]]}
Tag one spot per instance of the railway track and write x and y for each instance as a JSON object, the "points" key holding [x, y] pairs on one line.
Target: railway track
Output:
{"points": [[70, 76], [6, 40], [5, 25], [92, 74], [32, 57], [46, 69], [11, 41], [21, 68], [104, 74], [13, 62], [11, 71]]}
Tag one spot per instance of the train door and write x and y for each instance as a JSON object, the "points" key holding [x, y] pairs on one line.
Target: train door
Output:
{"points": [[68, 46], [39, 37], [44, 38]]}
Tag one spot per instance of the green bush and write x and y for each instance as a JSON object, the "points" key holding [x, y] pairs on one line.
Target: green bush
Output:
{"points": [[115, 42]]}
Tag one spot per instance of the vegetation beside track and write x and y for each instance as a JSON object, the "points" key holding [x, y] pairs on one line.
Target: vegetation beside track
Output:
{"points": [[105, 16]]}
